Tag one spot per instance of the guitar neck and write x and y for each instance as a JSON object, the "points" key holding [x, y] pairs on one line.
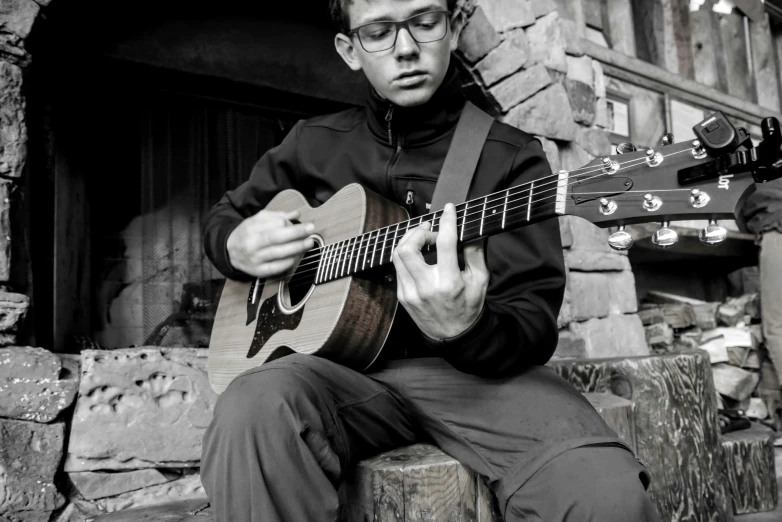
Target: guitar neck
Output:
{"points": [[500, 211]]}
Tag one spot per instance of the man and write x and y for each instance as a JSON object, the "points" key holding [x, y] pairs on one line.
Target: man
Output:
{"points": [[462, 366]]}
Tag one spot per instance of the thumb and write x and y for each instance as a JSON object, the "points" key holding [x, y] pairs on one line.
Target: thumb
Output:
{"points": [[475, 259]]}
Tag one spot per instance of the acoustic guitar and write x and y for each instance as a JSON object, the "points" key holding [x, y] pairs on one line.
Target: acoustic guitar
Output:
{"points": [[340, 302]]}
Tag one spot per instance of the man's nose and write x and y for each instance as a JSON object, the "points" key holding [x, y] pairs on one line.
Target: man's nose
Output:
{"points": [[405, 44]]}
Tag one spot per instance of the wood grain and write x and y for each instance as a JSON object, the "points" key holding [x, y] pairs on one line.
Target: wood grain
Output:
{"points": [[750, 469], [674, 405], [418, 483]]}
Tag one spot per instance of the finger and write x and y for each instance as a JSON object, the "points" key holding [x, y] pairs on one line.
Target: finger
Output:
{"points": [[279, 236], [475, 262], [447, 261], [284, 251], [406, 290], [409, 253]]}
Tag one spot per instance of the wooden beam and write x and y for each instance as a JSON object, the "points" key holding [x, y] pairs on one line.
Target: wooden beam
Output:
{"points": [[735, 55], [654, 33], [620, 30], [764, 63], [649, 76], [707, 49], [681, 37]]}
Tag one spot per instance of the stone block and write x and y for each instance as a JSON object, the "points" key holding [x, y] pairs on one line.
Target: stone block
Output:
{"points": [[30, 456], [13, 131], [582, 101], [573, 45], [520, 86], [17, 16], [186, 488], [594, 141], [505, 15], [613, 336], [580, 69], [543, 7], [13, 309], [585, 235], [6, 187], [547, 42], [580, 260], [570, 345], [511, 55], [599, 79], [552, 153], [34, 385], [478, 37], [573, 156], [140, 408], [599, 294], [92, 485], [547, 113]]}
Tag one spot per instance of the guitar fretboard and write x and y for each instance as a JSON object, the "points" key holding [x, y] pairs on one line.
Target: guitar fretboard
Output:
{"points": [[482, 217]]}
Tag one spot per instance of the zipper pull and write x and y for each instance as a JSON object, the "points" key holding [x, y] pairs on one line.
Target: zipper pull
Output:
{"points": [[389, 114], [409, 200]]}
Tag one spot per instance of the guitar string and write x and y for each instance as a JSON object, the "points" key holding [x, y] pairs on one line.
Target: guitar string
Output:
{"points": [[479, 209], [314, 253], [341, 258]]}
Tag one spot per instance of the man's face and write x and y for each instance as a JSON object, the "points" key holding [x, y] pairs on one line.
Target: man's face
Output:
{"points": [[410, 72]]}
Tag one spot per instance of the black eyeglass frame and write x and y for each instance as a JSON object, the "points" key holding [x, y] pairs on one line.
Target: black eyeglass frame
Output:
{"points": [[397, 25]]}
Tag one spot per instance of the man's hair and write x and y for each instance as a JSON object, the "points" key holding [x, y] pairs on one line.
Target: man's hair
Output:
{"points": [[339, 13]]}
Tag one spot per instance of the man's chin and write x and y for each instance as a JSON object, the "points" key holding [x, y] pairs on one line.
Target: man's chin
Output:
{"points": [[410, 97]]}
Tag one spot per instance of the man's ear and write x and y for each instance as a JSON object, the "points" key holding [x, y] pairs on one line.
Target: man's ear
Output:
{"points": [[347, 51], [457, 24]]}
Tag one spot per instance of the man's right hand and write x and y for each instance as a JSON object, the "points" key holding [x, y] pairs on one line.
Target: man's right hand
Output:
{"points": [[268, 244]]}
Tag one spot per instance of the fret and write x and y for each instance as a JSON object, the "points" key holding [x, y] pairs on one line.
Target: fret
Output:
{"points": [[352, 253], [345, 258], [393, 242], [464, 220], [327, 263], [366, 250], [483, 215], [358, 257], [529, 204], [374, 248], [335, 260], [505, 209]]}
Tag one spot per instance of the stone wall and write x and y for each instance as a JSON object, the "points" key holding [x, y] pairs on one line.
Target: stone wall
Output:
{"points": [[133, 437]]}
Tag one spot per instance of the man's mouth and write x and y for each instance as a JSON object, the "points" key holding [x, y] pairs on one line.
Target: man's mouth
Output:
{"points": [[410, 78]]}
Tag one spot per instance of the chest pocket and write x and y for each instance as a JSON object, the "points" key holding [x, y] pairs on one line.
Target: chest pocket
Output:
{"points": [[414, 193]]}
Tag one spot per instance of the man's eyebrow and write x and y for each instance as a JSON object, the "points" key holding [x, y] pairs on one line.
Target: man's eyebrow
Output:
{"points": [[423, 9]]}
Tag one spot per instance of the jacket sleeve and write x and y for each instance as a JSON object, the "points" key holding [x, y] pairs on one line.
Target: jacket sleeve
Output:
{"points": [[276, 170], [518, 325]]}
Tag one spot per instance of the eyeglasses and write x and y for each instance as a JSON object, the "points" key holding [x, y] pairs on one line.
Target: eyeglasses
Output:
{"points": [[380, 36]]}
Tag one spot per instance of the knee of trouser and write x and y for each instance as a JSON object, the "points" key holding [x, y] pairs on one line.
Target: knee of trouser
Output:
{"points": [[277, 397]]}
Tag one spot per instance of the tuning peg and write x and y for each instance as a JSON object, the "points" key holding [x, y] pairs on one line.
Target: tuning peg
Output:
{"points": [[620, 240], [667, 139], [713, 234], [665, 236], [625, 147]]}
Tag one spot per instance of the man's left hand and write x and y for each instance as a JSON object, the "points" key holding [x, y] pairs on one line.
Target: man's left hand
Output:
{"points": [[443, 300]]}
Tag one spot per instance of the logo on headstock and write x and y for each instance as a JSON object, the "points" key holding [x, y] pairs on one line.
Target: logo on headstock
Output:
{"points": [[724, 181]]}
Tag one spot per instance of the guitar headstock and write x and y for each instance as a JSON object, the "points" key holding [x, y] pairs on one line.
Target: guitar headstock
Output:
{"points": [[645, 186]]}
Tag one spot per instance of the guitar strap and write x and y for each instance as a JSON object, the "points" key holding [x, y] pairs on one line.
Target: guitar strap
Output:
{"points": [[462, 158]]}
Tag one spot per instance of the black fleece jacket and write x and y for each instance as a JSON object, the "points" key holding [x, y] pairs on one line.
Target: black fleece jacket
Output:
{"points": [[398, 152]]}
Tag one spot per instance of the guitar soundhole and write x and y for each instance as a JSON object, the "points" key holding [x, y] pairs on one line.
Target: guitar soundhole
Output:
{"points": [[299, 286]]}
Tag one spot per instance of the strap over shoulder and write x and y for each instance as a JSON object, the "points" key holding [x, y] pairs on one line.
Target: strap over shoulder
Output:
{"points": [[462, 158]]}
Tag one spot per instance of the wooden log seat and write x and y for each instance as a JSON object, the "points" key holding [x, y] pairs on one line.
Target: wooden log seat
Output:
{"points": [[676, 427], [750, 469], [413, 483]]}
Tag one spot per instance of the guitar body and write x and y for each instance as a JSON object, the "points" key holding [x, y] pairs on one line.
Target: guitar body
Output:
{"points": [[346, 320]]}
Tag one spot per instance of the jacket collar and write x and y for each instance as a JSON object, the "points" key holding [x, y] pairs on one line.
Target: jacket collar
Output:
{"points": [[419, 124]]}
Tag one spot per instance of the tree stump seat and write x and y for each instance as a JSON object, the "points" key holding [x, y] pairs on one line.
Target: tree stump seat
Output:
{"points": [[750, 469], [412, 483]]}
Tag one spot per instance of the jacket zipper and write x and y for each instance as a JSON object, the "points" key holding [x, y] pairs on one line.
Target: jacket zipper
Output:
{"points": [[395, 156], [410, 200]]}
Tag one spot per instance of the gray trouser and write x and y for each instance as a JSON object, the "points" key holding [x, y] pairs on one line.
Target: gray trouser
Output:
{"points": [[771, 295], [284, 433]]}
